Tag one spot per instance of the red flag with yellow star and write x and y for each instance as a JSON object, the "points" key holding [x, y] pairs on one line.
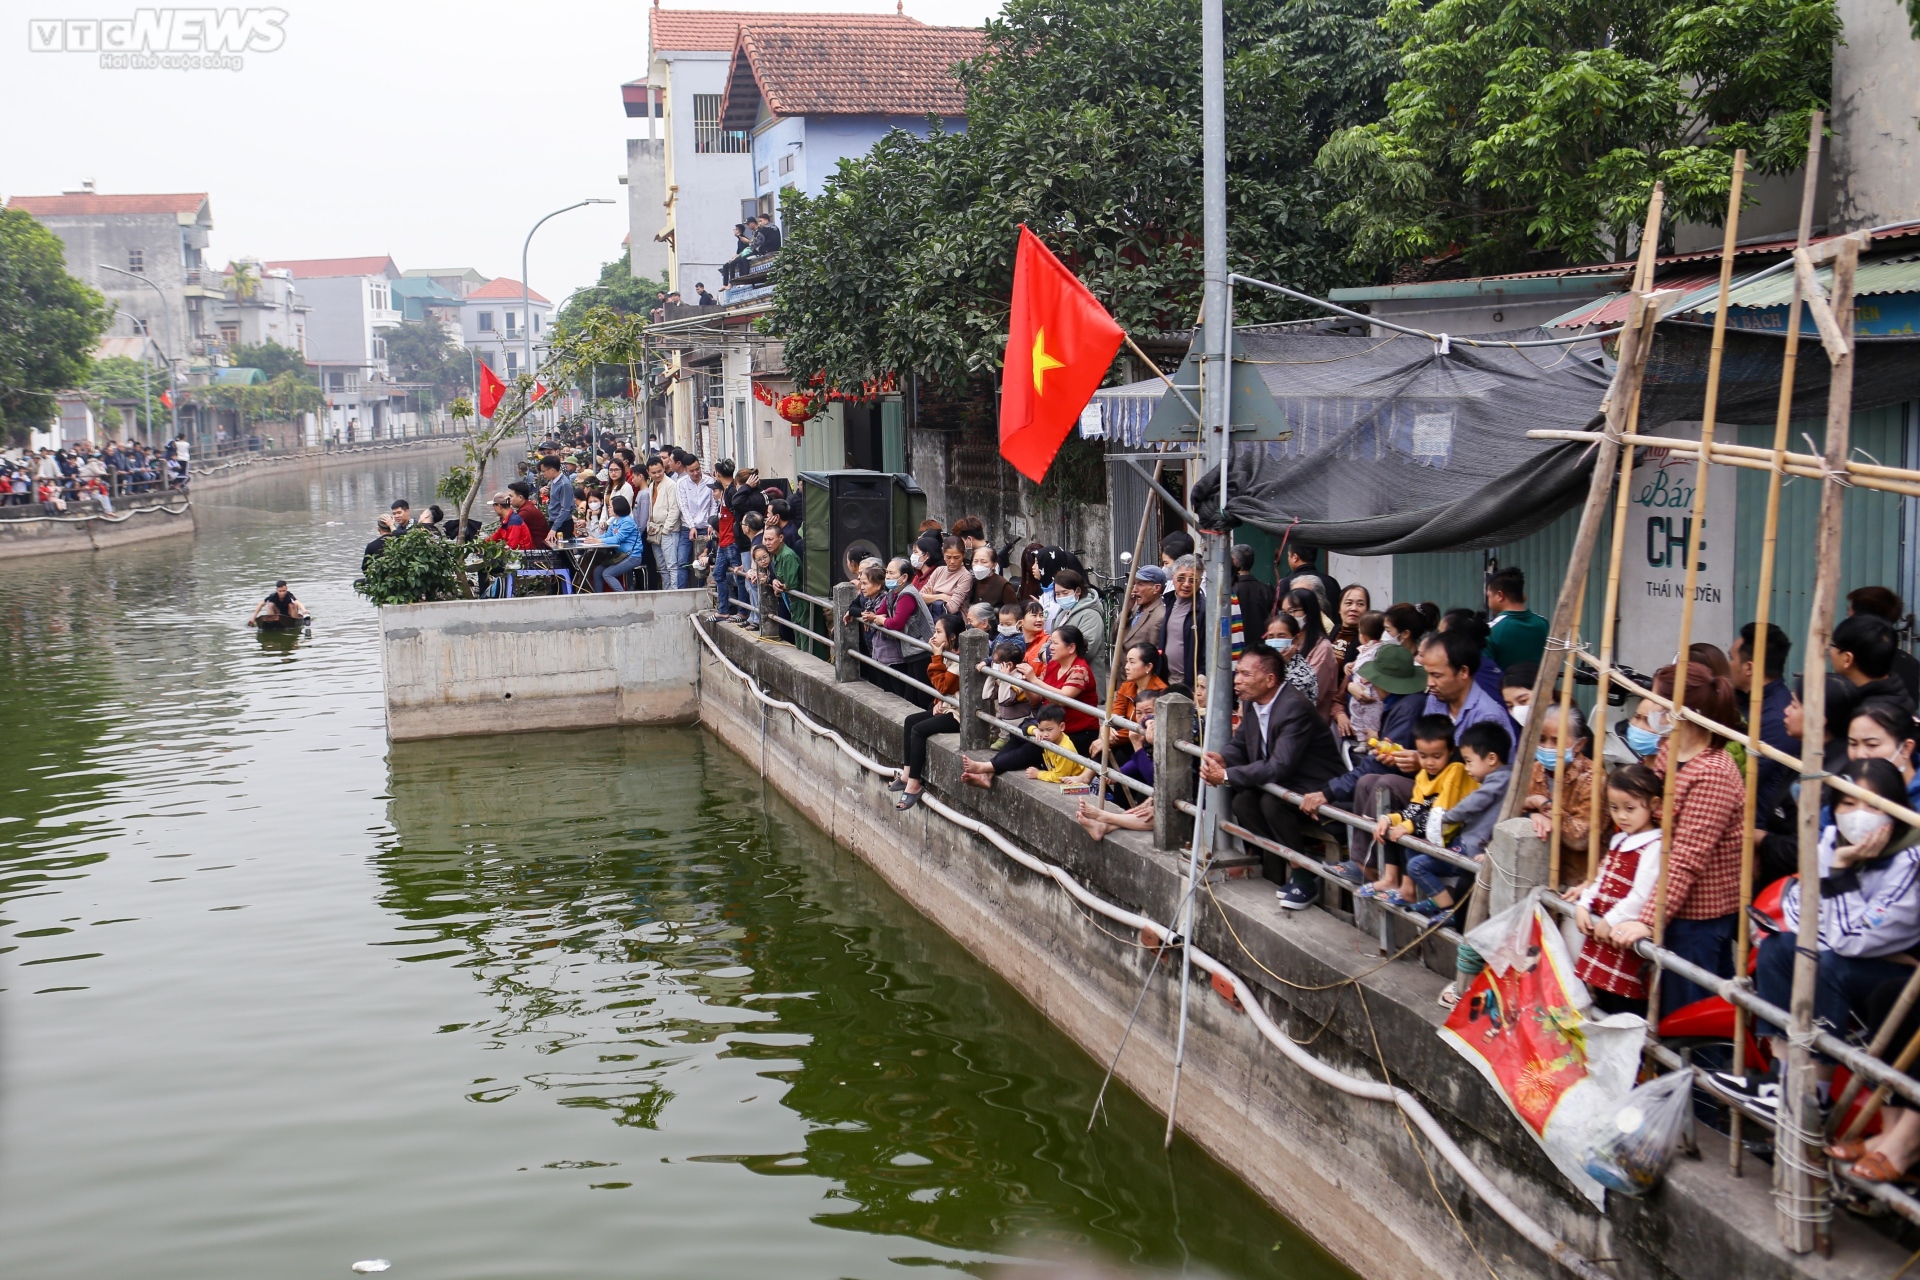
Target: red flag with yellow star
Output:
{"points": [[492, 391], [1060, 343]]}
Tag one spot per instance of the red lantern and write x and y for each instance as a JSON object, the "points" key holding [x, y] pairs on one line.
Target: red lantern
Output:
{"points": [[797, 408]]}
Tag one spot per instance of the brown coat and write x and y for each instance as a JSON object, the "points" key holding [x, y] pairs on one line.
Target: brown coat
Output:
{"points": [[1576, 799]]}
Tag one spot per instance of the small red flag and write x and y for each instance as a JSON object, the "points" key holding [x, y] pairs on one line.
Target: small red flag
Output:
{"points": [[539, 389], [166, 398], [492, 391], [1060, 343]]}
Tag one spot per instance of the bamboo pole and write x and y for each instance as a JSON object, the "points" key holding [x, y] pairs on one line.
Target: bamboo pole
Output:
{"points": [[1882, 1038], [1683, 662], [1622, 406], [1861, 475], [1120, 628], [1558, 803], [1800, 1213], [1608, 620], [1762, 617]]}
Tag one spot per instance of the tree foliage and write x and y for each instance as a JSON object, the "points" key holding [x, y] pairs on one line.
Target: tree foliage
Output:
{"points": [[273, 360], [49, 323], [281, 399], [1524, 133], [1083, 121], [617, 290], [423, 351], [415, 567]]}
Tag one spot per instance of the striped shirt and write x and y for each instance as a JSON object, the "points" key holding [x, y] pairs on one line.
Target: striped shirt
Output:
{"points": [[1703, 870]]}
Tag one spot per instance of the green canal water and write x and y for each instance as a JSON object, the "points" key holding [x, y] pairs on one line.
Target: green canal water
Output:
{"points": [[277, 997]]}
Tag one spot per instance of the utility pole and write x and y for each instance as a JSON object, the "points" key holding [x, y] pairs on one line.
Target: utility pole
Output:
{"points": [[166, 323], [526, 290], [1216, 313]]}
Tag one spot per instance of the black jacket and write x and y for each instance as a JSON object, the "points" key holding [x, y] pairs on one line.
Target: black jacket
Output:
{"points": [[1298, 754], [1256, 604], [743, 500]]}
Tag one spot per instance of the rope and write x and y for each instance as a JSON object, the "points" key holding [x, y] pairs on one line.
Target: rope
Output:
{"points": [[1556, 1249]]}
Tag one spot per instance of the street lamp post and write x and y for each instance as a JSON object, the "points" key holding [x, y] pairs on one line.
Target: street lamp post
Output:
{"points": [[166, 321], [526, 290]]}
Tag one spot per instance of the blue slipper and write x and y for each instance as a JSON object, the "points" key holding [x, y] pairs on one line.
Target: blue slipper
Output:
{"points": [[1349, 871]]}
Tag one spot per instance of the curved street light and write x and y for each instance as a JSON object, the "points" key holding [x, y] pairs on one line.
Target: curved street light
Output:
{"points": [[526, 290]]}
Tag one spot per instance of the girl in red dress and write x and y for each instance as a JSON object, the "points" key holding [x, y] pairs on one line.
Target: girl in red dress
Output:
{"points": [[1629, 874]]}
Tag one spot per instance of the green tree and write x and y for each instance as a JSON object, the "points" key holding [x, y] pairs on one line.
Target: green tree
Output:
{"points": [[49, 323], [273, 360], [423, 351], [617, 289], [1083, 121], [1529, 133]]}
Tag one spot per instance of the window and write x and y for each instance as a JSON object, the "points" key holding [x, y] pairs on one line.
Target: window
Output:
{"points": [[764, 177], [486, 322], [379, 348], [137, 261], [786, 163], [230, 334], [513, 363], [708, 137], [336, 381], [536, 321], [512, 318]]}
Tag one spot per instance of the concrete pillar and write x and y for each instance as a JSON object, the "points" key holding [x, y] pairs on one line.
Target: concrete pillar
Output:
{"points": [[769, 614], [975, 646], [1173, 722], [846, 635], [1517, 862]]}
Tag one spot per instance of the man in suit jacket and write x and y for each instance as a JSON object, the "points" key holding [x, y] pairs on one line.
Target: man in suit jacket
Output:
{"points": [[1281, 740]]}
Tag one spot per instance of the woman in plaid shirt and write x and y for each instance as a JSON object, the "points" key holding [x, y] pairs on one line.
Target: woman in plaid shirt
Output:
{"points": [[1703, 867]]}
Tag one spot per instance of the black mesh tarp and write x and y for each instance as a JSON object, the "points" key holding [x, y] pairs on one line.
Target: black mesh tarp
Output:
{"points": [[1397, 447]]}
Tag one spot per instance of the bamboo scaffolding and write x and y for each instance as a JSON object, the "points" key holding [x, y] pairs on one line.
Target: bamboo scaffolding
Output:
{"points": [[1608, 620], [1564, 749], [1800, 1213], [1762, 618], [1696, 528], [1860, 475]]}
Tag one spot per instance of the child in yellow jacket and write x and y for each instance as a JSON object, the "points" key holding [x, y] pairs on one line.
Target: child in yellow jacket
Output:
{"points": [[1443, 781], [1050, 726]]}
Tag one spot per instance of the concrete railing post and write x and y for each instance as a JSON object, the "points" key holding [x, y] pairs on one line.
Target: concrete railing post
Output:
{"points": [[975, 647], [846, 635], [1173, 723], [769, 614], [1516, 863]]}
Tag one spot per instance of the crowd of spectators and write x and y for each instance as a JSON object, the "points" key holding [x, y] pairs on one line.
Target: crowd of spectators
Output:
{"points": [[58, 478], [1411, 712]]}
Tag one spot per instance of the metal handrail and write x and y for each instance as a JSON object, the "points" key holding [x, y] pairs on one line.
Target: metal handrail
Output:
{"points": [[814, 600], [1104, 772], [1052, 694], [1355, 820], [878, 665], [1307, 863]]}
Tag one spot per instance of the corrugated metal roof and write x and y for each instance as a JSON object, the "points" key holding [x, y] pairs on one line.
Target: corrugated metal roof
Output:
{"points": [[1612, 309], [1900, 275]]}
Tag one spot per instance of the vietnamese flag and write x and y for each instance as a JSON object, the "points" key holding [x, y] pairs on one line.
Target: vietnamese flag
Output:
{"points": [[166, 398], [492, 391], [539, 389], [1060, 343]]}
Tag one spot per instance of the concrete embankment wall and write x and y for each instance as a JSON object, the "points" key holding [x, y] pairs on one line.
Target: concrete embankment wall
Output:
{"points": [[30, 531], [539, 662], [1348, 1171]]}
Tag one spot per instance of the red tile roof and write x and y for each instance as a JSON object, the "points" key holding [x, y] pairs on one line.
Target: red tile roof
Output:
{"points": [[323, 268], [86, 202], [504, 289], [718, 30], [805, 70]]}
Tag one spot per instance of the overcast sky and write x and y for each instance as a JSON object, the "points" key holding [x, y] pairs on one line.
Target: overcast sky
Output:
{"points": [[433, 131]]}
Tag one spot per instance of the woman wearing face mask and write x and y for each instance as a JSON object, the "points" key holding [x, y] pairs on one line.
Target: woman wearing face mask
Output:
{"points": [[1563, 754], [1883, 730], [1869, 910], [1283, 637], [1703, 865], [1404, 627], [1313, 644], [888, 613], [988, 586], [924, 558]]}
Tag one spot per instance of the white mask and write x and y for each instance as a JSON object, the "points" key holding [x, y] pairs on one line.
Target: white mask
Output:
{"points": [[917, 559], [1389, 636], [1519, 713], [1857, 824], [980, 572]]}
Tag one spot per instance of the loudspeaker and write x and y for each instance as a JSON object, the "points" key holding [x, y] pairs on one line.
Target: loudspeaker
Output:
{"points": [[877, 513]]}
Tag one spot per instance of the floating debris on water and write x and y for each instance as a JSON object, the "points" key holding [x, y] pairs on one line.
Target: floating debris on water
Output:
{"points": [[371, 1264]]}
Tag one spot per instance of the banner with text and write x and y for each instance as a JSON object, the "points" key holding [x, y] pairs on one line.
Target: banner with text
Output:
{"points": [[1653, 564]]}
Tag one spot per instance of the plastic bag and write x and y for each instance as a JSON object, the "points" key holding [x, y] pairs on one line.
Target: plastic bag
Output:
{"points": [[1630, 1149]]}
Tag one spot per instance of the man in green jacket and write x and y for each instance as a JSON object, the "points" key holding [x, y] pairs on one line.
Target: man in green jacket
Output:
{"points": [[783, 571], [1518, 633]]}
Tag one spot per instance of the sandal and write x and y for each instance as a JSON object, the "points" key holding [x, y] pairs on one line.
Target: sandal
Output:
{"points": [[896, 784], [1349, 871], [909, 800], [1875, 1167], [1847, 1152]]}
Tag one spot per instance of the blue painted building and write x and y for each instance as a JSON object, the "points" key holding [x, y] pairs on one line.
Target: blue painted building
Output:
{"points": [[809, 95]]}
